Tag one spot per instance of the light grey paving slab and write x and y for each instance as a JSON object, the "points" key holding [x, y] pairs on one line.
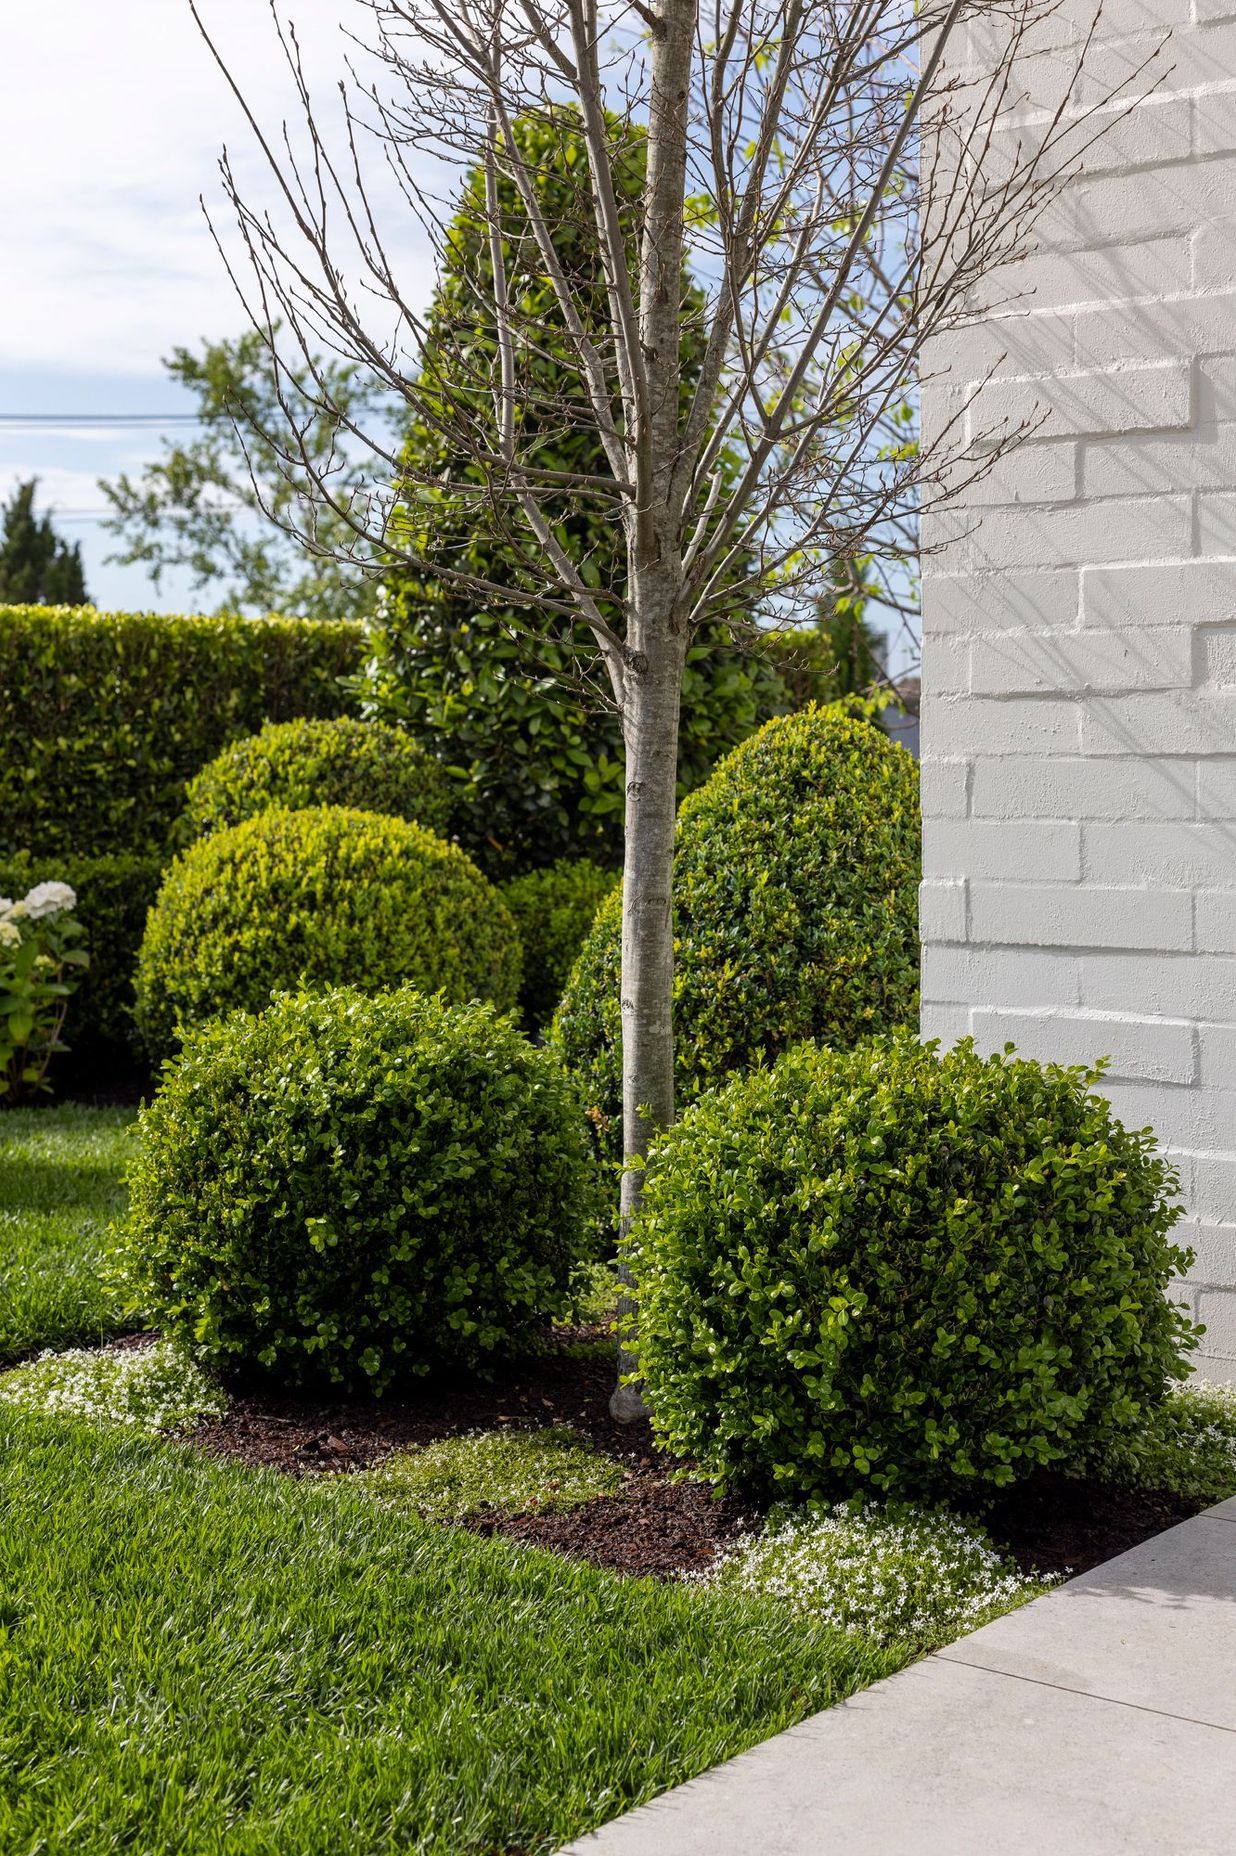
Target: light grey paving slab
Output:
{"points": [[946, 1760], [1097, 1721], [1155, 1627]]}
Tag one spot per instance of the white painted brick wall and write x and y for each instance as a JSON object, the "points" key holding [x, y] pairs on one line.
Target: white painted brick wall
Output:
{"points": [[1079, 723]]}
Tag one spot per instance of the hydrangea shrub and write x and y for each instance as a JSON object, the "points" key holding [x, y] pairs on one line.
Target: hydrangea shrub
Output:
{"points": [[892, 1269], [40, 964], [322, 897], [352, 1189]]}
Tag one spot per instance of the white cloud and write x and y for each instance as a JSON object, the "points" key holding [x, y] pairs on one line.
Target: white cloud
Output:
{"points": [[111, 121]]}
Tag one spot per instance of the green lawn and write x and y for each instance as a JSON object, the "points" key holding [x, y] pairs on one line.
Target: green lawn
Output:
{"points": [[61, 1172], [197, 1657]]}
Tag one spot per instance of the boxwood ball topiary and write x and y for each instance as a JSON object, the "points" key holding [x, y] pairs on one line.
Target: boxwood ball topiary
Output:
{"points": [[917, 1273], [323, 897], [796, 875], [318, 763], [352, 1189], [554, 908]]}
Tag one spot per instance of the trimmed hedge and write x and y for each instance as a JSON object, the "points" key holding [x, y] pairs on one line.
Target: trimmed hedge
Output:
{"points": [[795, 911], [104, 716], [553, 910], [323, 897], [113, 897], [353, 1189], [922, 1274], [340, 762]]}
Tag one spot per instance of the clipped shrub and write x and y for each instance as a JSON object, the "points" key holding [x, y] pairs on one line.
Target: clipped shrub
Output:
{"points": [[795, 910], [336, 762], [892, 1268], [105, 715], [114, 894], [553, 910], [353, 1189], [323, 897]]}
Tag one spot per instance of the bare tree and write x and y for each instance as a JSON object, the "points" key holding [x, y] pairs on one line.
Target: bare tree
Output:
{"points": [[784, 172]]}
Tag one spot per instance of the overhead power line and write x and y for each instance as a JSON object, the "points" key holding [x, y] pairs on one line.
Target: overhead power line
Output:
{"points": [[104, 421]]}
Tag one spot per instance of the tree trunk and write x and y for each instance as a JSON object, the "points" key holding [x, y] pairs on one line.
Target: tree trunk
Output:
{"points": [[651, 728]]}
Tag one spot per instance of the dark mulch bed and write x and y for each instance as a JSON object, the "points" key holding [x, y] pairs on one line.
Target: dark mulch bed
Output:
{"points": [[569, 1384], [656, 1525], [1055, 1523]]}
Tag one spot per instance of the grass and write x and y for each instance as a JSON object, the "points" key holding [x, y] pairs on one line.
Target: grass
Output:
{"points": [[61, 1184], [206, 1659], [201, 1658]]}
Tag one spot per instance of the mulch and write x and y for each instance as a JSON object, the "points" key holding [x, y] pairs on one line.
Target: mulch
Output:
{"points": [[659, 1524]]}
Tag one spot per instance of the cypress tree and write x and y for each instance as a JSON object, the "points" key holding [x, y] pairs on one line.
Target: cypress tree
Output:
{"points": [[37, 567]]}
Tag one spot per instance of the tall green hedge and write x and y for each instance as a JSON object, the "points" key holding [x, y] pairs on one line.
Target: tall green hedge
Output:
{"points": [[105, 715]]}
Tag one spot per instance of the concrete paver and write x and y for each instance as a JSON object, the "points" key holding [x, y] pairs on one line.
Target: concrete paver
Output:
{"points": [[1155, 1627], [1097, 1721]]}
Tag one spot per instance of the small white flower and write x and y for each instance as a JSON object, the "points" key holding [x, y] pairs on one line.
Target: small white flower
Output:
{"points": [[10, 933], [47, 899], [914, 1575]]}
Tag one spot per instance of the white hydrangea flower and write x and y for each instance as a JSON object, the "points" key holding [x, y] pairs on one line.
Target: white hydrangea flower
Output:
{"points": [[47, 899], [10, 933], [6, 904]]}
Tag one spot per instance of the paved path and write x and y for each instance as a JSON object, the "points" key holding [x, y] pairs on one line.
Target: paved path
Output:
{"points": [[1098, 1721]]}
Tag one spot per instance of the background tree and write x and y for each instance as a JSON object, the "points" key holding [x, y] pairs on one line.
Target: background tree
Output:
{"points": [[519, 715], [224, 506], [783, 139], [37, 567], [841, 652]]}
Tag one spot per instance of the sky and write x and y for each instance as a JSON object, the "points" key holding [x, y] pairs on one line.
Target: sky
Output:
{"points": [[112, 115]]}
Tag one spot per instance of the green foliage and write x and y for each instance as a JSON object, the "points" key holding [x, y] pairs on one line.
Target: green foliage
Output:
{"points": [[327, 896], [507, 1472], [105, 716], [553, 910], [891, 1268], [37, 568], [340, 762], [1187, 1445], [155, 1388], [510, 698], [202, 1659], [61, 1186], [207, 506], [795, 908], [353, 1189], [40, 963], [114, 894], [892, 1573]]}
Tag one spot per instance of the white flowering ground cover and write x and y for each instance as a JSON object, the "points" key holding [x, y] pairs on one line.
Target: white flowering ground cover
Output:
{"points": [[894, 1575], [154, 1389], [1188, 1446]]}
